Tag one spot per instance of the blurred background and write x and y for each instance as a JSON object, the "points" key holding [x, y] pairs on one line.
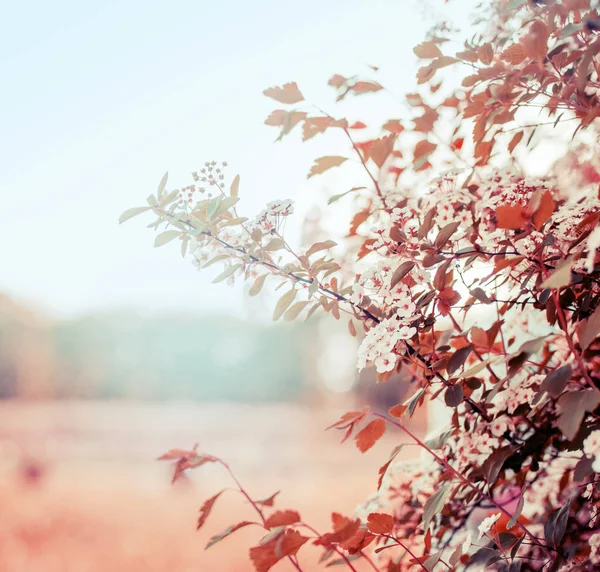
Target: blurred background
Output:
{"points": [[112, 352]]}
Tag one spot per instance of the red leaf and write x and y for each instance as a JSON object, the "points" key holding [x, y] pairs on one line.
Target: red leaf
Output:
{"points": [[290, 543], [270, 501], [509, 216], [427, 51], [323, 164], [361, 87], [343, 529], [544, 211], [206, 508], [288, 93], [458, 143], [380, 523], [348, 419], [174, 454], [394, 126], [515, 141], [359, 218], [368, 436], [282, 518], [358, 125]]}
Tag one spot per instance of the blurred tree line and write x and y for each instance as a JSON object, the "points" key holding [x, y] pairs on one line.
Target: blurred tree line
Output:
{"points": [[127, 355]]}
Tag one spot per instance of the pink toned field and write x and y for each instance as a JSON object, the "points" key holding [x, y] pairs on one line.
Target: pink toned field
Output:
{"points": [[80, 490]]}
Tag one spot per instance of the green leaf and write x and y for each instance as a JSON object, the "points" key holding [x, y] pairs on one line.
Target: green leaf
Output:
{"points": [[235, 186], [293, 312], [165, 237], [227, 273], [162, 184], [130, 213], [283, 304], [335, 198], [229, 530], [434, 504], [258, 284]]}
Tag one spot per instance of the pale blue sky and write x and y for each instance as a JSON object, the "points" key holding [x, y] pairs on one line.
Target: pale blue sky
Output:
{"points": [[99, 99]]}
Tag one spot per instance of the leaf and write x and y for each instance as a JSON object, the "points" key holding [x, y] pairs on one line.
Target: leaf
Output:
{"points": [[510, 216], [516, 139], [283, 304], [560, 277], [544, 210], [258, 284], [320, 246], [229, 530], [401, 272], [230, 271], [294, 311], [380, 523], [445, 233], [288, 93], [556, 381], [572, 407], [162, 184], [427, 51], [130, 213], [235, 186], [206, 508], [454, 395], [165, 237], [361, 87], [282, 518], [589, 330], [493, 464], [323, 164], [514, 54], [269, 501], [458, 358], [434, 504], [422, 150], [517, 513], [394, 126], [368, 436]]}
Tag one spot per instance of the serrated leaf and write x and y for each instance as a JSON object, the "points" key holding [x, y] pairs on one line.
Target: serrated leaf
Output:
{"points": [[166, 236], [288, 93], [283, 304], [130, 213], [323, 164]]}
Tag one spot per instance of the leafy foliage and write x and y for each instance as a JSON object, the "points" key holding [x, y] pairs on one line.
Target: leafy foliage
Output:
{"points": [[482, 284]]}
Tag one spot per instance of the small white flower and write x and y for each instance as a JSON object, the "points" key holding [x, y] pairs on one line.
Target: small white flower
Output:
{"points": [[487, 524]]}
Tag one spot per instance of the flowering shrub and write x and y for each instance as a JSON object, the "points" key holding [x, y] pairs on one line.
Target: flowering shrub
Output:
{"points": [[482, 283]]}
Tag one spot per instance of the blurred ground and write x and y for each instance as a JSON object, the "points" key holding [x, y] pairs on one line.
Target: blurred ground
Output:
{"points": [[80, 490]]}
